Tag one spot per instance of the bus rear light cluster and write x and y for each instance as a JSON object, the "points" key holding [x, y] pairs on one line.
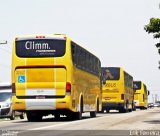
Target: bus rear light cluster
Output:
{"points": [[68, 88], [122, 96]]}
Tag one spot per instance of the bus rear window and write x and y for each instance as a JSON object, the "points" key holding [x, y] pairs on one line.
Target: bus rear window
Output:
{"points": [[137, 85], [111, 73], [40, 48]]}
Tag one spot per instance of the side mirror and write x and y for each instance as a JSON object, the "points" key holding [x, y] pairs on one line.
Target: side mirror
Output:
{"points": [[104, 82], [148, 92]]}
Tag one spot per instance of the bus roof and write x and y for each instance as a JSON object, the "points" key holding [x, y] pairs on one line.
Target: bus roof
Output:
{"points": [[42, 36]]}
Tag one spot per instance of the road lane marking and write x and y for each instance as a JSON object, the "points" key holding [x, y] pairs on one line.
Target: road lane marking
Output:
{"points": [[69, 123]]}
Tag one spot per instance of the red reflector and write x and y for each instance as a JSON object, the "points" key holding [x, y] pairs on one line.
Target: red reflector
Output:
{"points": [[13, 88], [68, 87], [40, 36]]}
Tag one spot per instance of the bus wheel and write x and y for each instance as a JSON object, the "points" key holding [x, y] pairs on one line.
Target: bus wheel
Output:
{"points": [[107, 111], [33, 117], [78, 115], [57, 116], [93, 114], [22, 115], [30, 117], [126, 108], [130, 110], [121, 110], [102, 111], [12, 117], [97, 105]]}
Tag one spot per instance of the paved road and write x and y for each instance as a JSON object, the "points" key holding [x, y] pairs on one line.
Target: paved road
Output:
{"points": [[114, 123]]}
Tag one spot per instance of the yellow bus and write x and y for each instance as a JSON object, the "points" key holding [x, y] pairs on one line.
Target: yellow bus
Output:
{"points": [[140, 95], [51, 74], [117, 91]]}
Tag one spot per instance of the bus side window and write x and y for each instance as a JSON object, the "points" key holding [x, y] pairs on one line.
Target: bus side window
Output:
{"points": [[78, 52], [73, 52]]}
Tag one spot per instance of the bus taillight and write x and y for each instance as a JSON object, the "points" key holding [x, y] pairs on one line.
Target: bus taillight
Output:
{"points": [[122, 96], [68, 88], [13, 88]]}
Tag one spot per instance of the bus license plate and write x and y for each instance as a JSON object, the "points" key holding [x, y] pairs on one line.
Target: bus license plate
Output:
{"points": [[40, 97]]}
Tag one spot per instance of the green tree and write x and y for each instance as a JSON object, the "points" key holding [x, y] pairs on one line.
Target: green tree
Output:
{"points": [[154, 27]]}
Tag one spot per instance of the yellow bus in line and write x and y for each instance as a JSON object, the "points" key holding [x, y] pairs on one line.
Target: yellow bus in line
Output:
{"points": [[117, 91], [140, 95], [51, 74]]}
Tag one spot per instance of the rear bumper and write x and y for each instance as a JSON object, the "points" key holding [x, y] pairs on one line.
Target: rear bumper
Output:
{"points": [[42, 104], [112, 105]]}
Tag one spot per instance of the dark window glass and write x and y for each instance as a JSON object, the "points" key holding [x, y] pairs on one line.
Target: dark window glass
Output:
{"points": [[4, 96], [40, 48], [110, 73], [84, 60], [137, 85], [73, 52], [128, 80]]}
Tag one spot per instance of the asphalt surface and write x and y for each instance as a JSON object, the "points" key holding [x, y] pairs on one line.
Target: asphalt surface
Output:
{"points": [[140, 122]]}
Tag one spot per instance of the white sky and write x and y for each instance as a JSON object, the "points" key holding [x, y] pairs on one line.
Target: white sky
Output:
{"points": [[113, 30]]}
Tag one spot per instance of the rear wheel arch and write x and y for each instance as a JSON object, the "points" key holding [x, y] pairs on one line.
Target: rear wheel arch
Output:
{"points": [[80, 103], [97, 104]]}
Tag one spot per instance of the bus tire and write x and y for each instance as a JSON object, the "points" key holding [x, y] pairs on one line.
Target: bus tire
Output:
{"points": [[93, 114], [22, 115], [102, 110], [107, 110], [121, 110], [97, 105], [78, 115], [130, 110], [30, 117], [126, 109], [33, 117], [57, 116]]}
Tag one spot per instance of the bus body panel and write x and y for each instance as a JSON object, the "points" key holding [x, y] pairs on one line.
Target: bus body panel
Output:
{"points": [[41, 83], [116, 93], [80, 82], [140, 95]]}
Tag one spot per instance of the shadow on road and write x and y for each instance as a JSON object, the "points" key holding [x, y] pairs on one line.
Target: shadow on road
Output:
{"points": [[155, 112], [52, 119], [112, 112], [152, 121]]}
